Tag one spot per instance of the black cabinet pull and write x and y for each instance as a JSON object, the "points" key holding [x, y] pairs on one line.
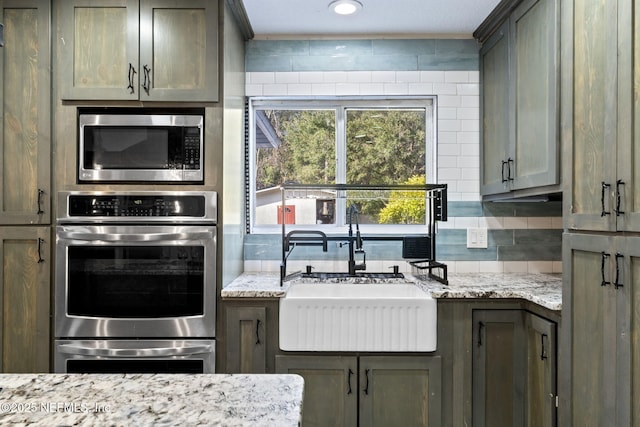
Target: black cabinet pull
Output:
{"points": [[503, 165], [40, 194], [618, 210], [480, 330], [40, 242], [616, 282], [257, 331], [146, 84], [131, 76], [605, 187], [543, 349], [509, 163], [366, 379], [604, 257], [350, 374]]}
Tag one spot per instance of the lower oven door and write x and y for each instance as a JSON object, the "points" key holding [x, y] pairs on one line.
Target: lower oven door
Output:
{"points": [[135, 281], [135, 356]]}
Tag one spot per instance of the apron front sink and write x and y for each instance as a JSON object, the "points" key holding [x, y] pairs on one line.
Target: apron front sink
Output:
{"points": [[389, 317]]}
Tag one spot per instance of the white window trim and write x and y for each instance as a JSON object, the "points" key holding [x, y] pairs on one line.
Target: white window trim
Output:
{"points": [[341, 103]]}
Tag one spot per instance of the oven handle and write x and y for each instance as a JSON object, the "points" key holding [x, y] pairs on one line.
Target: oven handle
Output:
{"points": [[142, 237], [135, 352]]}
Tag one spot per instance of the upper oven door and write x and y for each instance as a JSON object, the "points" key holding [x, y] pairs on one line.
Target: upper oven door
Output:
{"points": [[135, 281], [138, 147]]}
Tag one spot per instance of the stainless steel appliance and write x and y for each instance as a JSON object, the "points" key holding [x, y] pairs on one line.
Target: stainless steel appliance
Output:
{"points": [[133, 267], [122, 146]]}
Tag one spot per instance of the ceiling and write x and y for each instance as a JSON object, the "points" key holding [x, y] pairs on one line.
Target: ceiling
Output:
{"points": [[378, 18]]}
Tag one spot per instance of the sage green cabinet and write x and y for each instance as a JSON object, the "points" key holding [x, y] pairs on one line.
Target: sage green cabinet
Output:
{"points": [[25, 252], [250, 340], [498, 367], [514, 369], [601, 364], [25, 129], [246, 340], [330, 388], [519, 78], [368, 390], [494, 111], [147, 50], [601, 113]]}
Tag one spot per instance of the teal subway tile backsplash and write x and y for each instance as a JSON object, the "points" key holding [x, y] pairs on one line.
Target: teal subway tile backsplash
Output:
{"points": [[340, 47], [405, 47], [361, 55]]}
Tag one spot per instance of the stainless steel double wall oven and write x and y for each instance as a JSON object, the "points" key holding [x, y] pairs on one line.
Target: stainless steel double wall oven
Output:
{"points": [[135, 282]]}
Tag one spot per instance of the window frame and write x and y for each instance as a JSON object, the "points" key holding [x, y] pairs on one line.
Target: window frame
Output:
{"points": [[340, 104]]}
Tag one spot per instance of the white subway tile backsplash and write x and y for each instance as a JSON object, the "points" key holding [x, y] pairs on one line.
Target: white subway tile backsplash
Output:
{"points": [[287, 78], [468, 113], [262, 78], [420, 89], [299, 89], [396, 89], [445, 89], [274, 90], [359, 76], [448, 100], [335, 77], [323, 89], [312, 77], [468, 89], [448, 113], [456, 76], [516, 223], [449, 125], [515, 267], [407, 76], [347, 89], [470, 125], [383, 76], [372, 89], [432, 76], [539, 222]]}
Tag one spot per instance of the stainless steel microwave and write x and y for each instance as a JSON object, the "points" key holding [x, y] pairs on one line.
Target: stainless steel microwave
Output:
{"points": [[141, 147]]}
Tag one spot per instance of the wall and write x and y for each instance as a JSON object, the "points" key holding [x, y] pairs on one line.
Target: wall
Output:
{"points": [[523, 236], [232, 208]]}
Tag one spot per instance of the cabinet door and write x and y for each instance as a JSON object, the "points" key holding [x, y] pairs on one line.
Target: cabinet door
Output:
{"points": [[25, 272], [400, 391], [540, 402], [628, 323], [25, 126], [534, 32], [498, 364], [628, 182], [587, 372], [494, 111], [99, 49], [330, 388], [589, 104], [246, 340], [178, 50]]}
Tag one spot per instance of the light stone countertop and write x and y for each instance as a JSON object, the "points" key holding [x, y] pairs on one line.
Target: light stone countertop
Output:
{"points": [[150, 400], [542, 289]]}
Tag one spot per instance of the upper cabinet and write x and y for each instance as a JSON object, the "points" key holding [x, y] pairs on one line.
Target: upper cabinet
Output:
{"points": [[601, 111], [146, 50], [519, 77], [25, 129]]}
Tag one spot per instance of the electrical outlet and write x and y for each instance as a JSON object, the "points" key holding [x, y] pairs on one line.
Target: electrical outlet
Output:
{"points": [[477, 238]]}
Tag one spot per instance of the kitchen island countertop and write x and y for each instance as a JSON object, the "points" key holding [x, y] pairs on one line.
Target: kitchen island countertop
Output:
{"points": [[540, 288], [150, 399]]}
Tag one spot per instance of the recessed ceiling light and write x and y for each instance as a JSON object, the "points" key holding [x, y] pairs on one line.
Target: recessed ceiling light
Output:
{"points": [[345, 7]]}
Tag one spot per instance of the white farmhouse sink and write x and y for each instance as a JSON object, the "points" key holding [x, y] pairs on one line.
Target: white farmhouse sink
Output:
{"points": [[357, 317]]}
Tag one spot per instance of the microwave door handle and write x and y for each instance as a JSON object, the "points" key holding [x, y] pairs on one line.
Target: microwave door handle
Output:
{"points": [[143, 237], [134, 352]]}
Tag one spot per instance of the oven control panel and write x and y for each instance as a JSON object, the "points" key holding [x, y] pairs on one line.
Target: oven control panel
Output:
{"points": [[116, 206], [134, 207]]}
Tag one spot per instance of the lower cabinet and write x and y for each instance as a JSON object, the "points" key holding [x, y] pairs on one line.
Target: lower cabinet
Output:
{"points": [[25, 298], [250, 341], [514, 369], [368, 390]]}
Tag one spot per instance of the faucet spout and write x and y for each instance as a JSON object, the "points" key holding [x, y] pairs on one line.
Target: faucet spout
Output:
{"points": [[355, 244]]}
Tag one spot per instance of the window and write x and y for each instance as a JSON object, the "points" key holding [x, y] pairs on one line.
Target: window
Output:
{"points": [[338, 141]]}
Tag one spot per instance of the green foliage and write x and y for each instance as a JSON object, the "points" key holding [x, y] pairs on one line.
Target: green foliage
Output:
{"points": [[405, 207]]}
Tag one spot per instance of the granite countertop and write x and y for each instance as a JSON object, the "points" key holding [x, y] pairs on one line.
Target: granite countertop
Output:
{"points": [[542, 289], [150, 399]]}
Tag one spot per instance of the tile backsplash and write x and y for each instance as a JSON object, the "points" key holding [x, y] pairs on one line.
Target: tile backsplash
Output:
{"points": [[523, 237]]}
